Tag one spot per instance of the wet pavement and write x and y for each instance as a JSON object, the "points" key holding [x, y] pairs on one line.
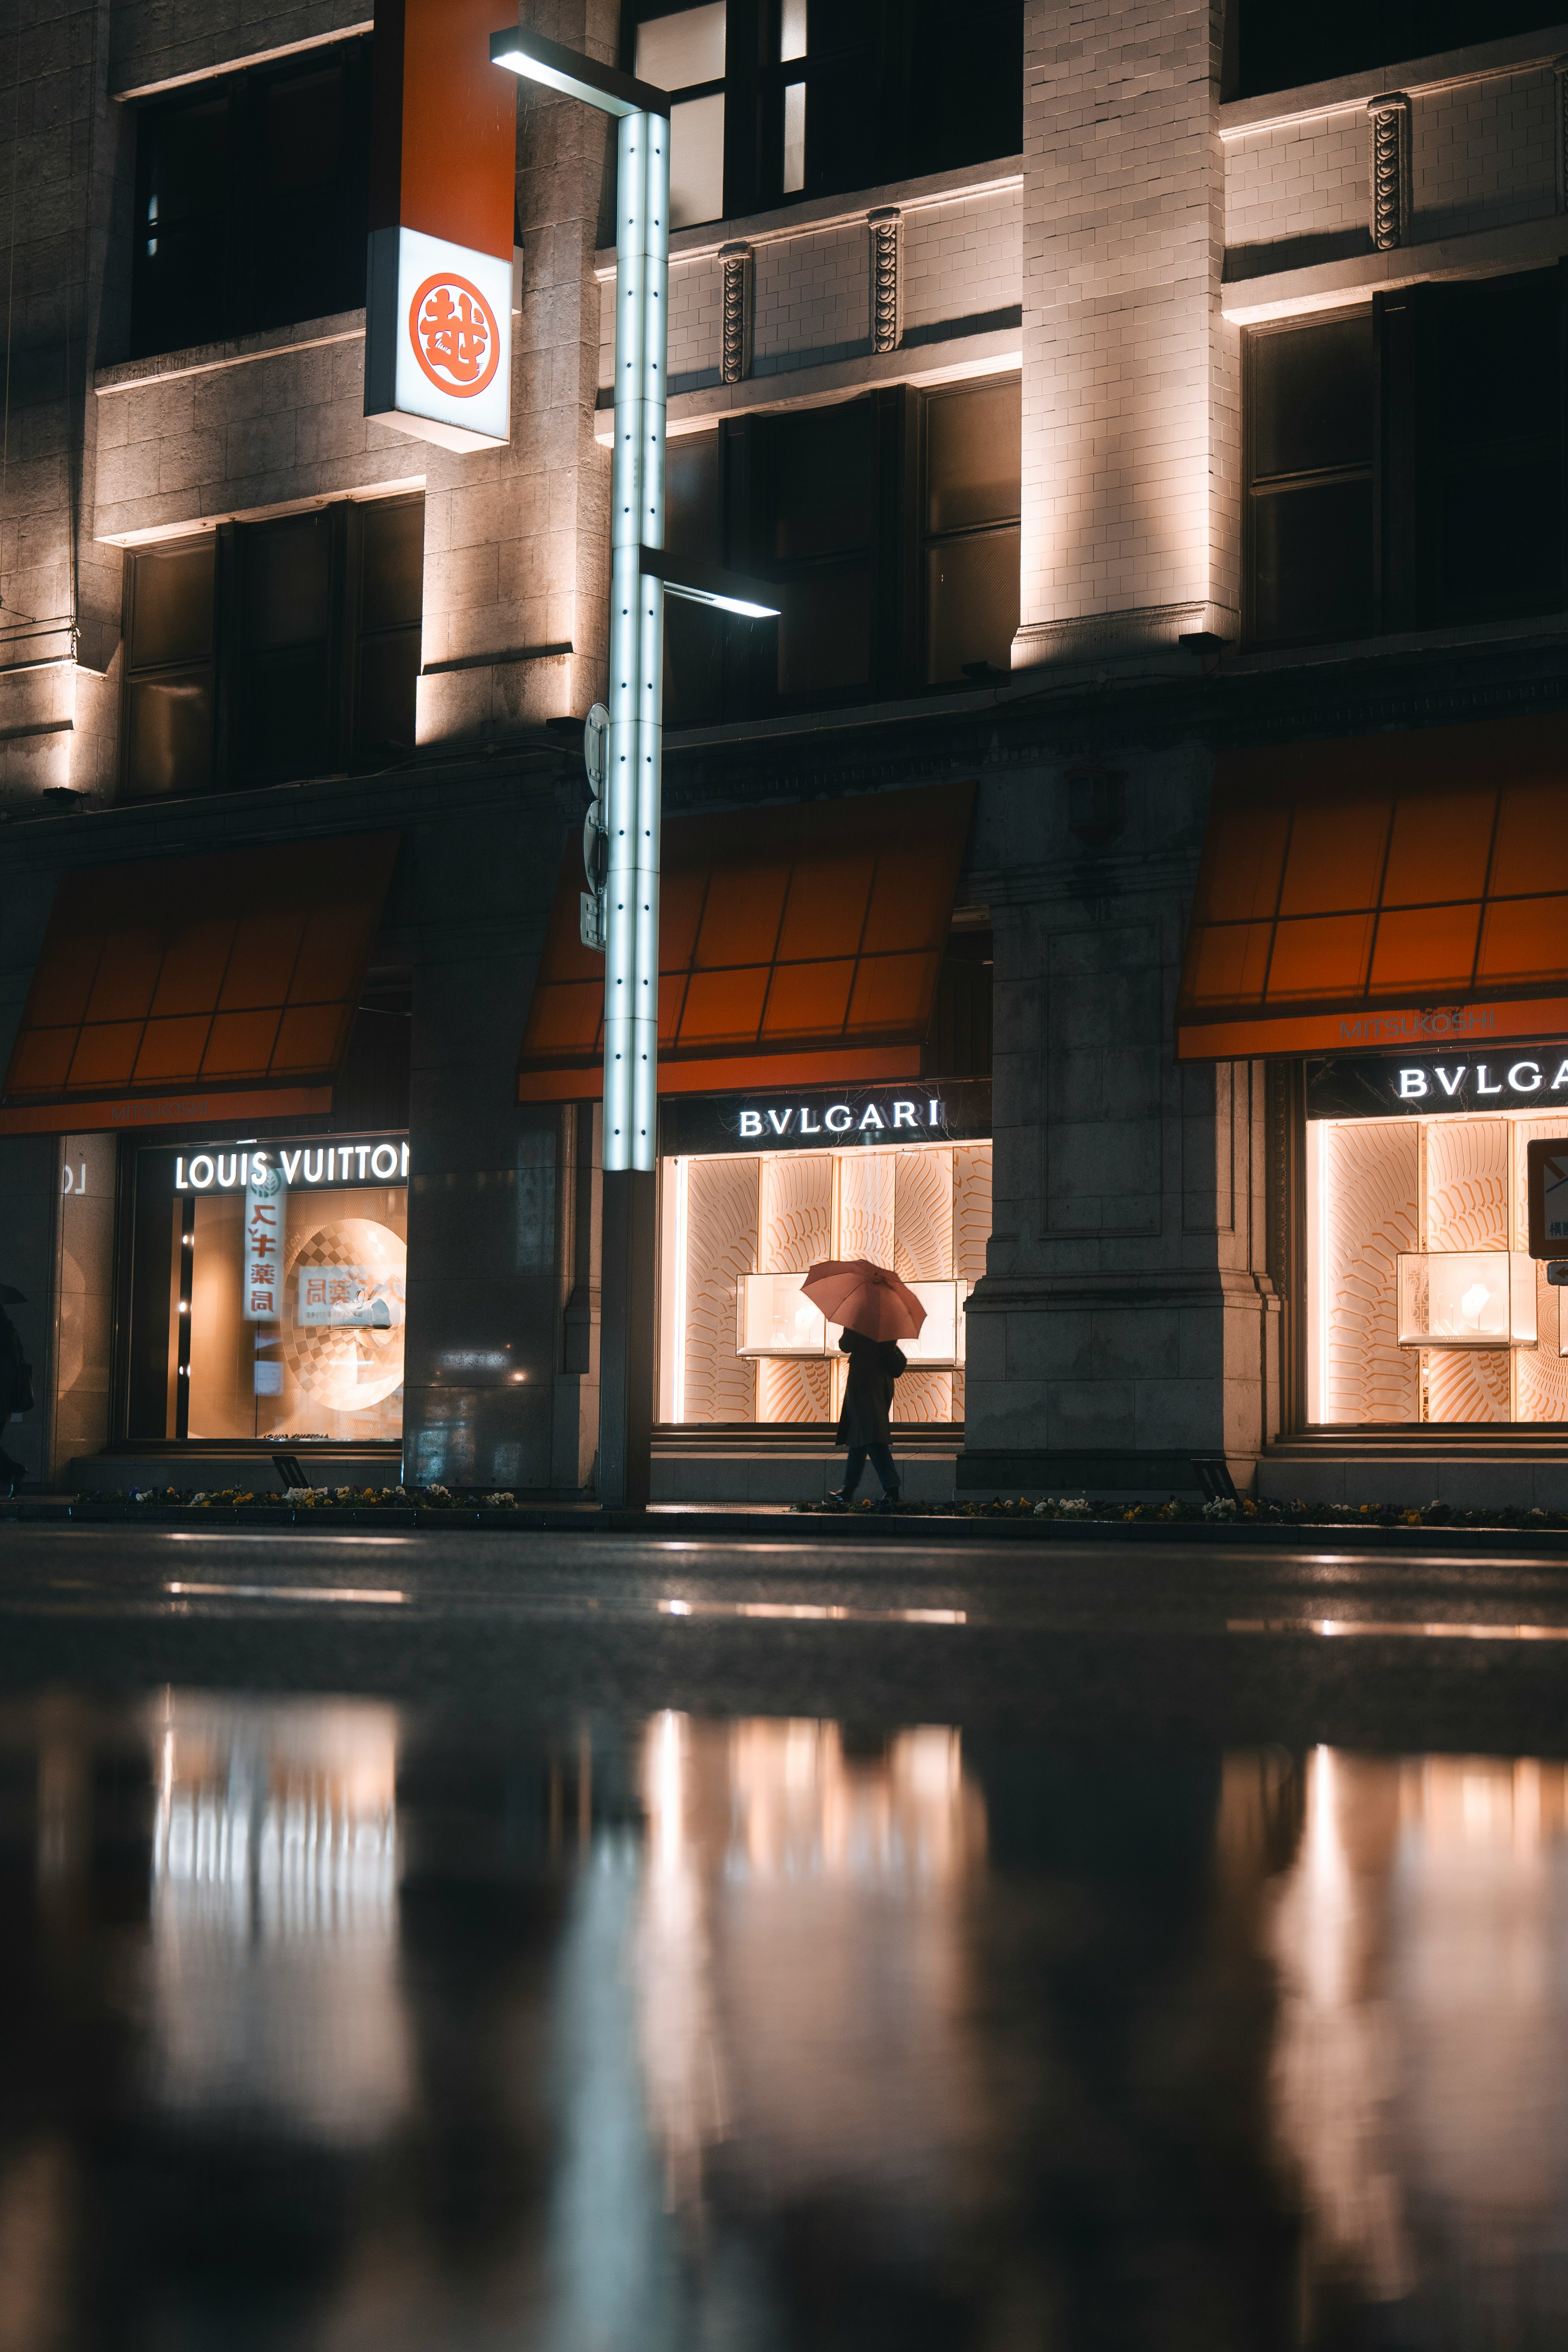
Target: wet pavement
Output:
{"points": [[595, 1945]]}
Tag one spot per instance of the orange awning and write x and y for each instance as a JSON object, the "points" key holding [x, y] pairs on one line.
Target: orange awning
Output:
{"points": [[189, 989], [796, 945], [1384, 891]]}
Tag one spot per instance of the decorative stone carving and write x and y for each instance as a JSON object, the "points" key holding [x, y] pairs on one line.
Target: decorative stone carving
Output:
{"points": [[1390, 170], [737, 311], [887, 293]]}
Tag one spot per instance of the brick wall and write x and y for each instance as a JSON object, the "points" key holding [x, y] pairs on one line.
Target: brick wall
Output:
{"points": [[964, 260], [1483, 155], [1299, 178]]}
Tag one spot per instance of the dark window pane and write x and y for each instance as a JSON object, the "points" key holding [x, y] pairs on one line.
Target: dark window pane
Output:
{"points": [[967, 83], [1312, 562], [172, 604], [301, 129], [1491, 368], [973, 456], [971, 602], [818, 471], [1498, 536], [1312, 397], [285, 717], [392, 560], [693, 664], [824, 633], [286, 569], [171, 733], [693, 492], [385, 695], [181, 273]]}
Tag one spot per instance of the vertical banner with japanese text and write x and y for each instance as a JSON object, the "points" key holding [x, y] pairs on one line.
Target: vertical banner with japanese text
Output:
{"points": [[443, 186], [261, 1269]]}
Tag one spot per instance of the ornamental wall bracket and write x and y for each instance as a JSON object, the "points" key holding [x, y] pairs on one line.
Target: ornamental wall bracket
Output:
{"points": [[886, 227], [738, 305], [1391, 176]]}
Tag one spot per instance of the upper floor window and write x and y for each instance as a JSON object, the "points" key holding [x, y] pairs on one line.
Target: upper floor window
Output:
{"points": [[890, 527], [780, 98], [1404, 462], [1268, 47], [265, 651], [251, 201]]}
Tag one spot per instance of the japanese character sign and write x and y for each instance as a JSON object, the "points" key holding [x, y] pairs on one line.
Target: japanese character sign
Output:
{"points": [[455, 335], [262, 1266]]}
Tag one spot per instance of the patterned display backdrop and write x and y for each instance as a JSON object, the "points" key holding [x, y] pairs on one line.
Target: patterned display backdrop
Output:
{"points": [[926, 1212], [1436, 1184]]}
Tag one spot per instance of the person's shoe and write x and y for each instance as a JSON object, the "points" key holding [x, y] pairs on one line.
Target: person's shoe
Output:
{"points": [[837, 1500], [890, 1502], [11, 1474]]}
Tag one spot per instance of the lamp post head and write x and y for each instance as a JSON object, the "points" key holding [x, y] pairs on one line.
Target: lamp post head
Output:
{"points": [[555, 66]]}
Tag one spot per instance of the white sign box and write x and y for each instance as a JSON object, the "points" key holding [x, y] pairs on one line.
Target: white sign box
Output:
{"points": [[438, 357]]}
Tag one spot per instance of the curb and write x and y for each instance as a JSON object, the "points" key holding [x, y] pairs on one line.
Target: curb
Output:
{"points": [[804, 1528]]}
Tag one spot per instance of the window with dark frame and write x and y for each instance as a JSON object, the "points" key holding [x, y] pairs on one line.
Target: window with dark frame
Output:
{"points": [[779, 100], [1404, 462], [889, 525], [261, 652], [251, 205]]}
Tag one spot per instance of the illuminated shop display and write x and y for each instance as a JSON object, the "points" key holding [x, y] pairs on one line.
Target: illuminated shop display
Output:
{"points": [[270, 1290], [1422, 1303], [741, 1228]]}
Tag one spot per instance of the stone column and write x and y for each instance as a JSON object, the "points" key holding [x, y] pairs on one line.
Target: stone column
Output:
{"points": [[1131, 508]]}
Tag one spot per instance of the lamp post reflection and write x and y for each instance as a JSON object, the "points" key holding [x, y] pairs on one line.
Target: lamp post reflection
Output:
{"points": [[274, 1914]]}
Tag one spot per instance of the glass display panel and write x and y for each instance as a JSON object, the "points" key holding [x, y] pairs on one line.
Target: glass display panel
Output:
{"points": [[1312, 574], [696, 160], [774, 1319], [1313, 400], [391, 563], [386, 694], [971, 602], [1466, 1298], [974, 455], [678, 51], [287, 574], [824, 633], [172, 604], [820, 469], [793, 138], [171, 732]]}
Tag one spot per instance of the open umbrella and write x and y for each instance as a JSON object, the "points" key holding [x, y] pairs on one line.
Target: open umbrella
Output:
{"points": [[863, 1298]]}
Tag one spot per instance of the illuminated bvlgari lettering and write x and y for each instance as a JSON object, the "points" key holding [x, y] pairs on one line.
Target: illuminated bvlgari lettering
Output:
{"points": [[1412, 1084], [1562, 1077], [1451, 1085], [1482, 1086], [779, 1120], [751, 1123], [905, 1115], [873, 1118], [809, 1126], [1525, 1085]]}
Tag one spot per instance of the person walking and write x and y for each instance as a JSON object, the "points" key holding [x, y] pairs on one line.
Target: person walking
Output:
{"points": [[874, 1366], [15, 1385]]}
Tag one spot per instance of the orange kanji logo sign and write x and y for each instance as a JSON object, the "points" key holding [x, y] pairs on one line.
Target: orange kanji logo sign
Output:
{"points": [[455, 336]]}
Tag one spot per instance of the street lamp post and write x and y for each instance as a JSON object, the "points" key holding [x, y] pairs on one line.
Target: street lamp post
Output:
{"points": [[640, 576]]}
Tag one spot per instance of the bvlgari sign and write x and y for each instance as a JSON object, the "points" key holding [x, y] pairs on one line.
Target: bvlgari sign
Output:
{"points": [[1513, 1076], [918, 1111]]}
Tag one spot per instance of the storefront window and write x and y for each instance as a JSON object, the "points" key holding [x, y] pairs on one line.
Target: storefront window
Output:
{"points": [[1422, 1303], [740, 1230], [268, 1291]]}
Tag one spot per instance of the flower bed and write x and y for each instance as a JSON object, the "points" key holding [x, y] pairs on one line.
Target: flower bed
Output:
{"points": [[1243, 1512], [313, 1498]]}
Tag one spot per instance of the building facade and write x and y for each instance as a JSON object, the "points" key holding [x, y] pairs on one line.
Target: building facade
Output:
{"points": [[1094, 895]]}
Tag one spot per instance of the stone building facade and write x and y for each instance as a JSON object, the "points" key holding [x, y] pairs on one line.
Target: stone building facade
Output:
{"points": [[1127, 271]]}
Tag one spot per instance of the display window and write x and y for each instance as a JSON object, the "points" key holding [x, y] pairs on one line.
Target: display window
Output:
{"points": [[268, 1291], [1423, 1302], [739, 1343]]}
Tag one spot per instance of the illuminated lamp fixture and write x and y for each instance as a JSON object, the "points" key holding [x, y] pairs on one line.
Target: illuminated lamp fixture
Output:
{"points": [[706, 584]]}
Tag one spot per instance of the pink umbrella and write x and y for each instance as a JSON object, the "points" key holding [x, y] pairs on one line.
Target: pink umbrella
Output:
{"points": [[864, 1298]]}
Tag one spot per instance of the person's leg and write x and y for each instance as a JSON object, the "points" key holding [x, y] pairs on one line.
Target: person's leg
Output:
{"points": [[883, 1463], [853, 1469]]}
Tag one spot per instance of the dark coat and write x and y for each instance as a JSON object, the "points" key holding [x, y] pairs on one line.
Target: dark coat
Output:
{"points": [[13, 1376], [874, 1366]]}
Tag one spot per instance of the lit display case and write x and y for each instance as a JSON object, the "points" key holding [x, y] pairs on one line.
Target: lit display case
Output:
{"points": [[774, 1319], [1466, 1298]]}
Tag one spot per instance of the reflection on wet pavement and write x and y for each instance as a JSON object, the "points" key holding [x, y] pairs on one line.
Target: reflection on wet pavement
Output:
{"points": [[328, 2023]]}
